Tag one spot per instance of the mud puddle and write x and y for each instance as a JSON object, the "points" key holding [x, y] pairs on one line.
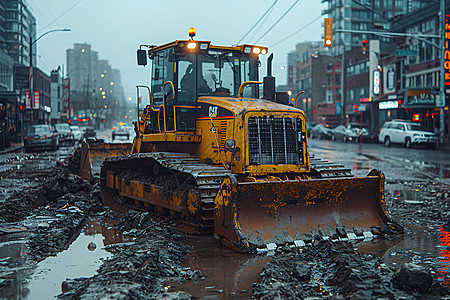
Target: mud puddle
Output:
{"points": [[44, 280], [226, 273]]}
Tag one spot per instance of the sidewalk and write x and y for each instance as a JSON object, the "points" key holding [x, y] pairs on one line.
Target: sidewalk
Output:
{"points": [[13, 148]]}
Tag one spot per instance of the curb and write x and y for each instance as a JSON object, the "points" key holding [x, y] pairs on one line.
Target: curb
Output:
{"points": [[10, 150]]}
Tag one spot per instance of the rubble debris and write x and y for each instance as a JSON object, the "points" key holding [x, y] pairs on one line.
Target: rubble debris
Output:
{"points": [[411, 277], [335, 270]]}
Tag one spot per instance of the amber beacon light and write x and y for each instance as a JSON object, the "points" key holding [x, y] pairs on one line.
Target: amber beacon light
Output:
{"points": [[192, 32]]}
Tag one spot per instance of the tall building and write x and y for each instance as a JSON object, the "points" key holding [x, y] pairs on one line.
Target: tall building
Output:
{"points": [[365, 15], [96, 93], [17, 30], [82, 67]]}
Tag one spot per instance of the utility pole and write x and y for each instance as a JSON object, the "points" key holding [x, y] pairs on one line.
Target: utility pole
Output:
{"points": [[343, 115]]}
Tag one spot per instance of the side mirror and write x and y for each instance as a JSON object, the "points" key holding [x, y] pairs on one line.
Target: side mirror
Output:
{"points": [[142, 57]]}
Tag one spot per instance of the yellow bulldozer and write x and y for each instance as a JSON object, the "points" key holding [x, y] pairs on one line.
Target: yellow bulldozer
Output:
{"points": [[216, 157]]}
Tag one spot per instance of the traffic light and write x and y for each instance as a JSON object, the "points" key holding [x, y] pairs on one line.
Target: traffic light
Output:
{"points": [[364, 46], [328, 32]]}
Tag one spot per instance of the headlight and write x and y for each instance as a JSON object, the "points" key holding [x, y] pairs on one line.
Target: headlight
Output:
{"points": [[230, 144]]}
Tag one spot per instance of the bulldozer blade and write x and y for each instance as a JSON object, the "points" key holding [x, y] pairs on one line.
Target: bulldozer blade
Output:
{"points": [[263, 215], [94, 152], [85, 170]]}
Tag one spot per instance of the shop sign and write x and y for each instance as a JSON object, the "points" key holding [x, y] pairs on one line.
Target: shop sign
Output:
{"points": [[419, 98], [66, 94], [28, 102], [447, 51], [366, 99], [376, 82], [388, 105], [389, 79], [36, 100]]}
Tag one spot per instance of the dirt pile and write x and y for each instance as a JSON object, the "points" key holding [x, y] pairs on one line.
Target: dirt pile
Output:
{"points": [[336, 270], [138, 268]]}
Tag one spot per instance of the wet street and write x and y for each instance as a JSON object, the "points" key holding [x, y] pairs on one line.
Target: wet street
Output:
{"points": [[415, 178]]}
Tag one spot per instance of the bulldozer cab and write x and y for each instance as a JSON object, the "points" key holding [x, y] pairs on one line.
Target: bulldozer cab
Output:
{"points": [[183, 71]]}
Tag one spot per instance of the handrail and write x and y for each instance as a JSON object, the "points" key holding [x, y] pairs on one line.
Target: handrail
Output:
{"points": [[243, 85]]}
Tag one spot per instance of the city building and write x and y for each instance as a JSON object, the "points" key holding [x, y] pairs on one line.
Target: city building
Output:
{"points": [[411, 76], [96, 93], [56, 95], [312, 79], [365, 15], [17, 31]]}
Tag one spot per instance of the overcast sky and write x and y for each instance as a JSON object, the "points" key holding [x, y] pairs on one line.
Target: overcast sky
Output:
{"points": [[116, 28]]}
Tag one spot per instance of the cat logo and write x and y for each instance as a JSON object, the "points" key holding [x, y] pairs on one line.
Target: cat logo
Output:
{"points": [[213, 111]]}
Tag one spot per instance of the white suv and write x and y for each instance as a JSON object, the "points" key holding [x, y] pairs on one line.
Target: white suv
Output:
{"points": [[407, 133]]}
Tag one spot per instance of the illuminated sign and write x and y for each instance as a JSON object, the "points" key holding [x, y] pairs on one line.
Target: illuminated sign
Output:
{"points": [[65, 94], [362, 100], [376, 82], [447, 51], [28, 103], [416, 117], [420, 98], [388, 105], [36, 100]]}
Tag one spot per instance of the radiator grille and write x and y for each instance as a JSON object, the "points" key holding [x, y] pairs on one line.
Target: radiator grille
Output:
{"points": [[275, 140]]}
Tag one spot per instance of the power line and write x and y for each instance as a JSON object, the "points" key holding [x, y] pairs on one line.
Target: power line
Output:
{"points": [[291, 35], [260, 25], [267, 11], [61, 15], [278, 21]]}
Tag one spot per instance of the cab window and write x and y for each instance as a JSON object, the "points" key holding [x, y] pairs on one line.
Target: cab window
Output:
{"points": [[162, 71]]}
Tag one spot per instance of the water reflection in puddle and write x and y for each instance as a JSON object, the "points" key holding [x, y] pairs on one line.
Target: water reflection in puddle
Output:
{"points": [[44, 281], [227, 274]]}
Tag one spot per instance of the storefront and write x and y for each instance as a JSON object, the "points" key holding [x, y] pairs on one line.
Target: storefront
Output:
{"points": [[9, 119], [420, 106]]}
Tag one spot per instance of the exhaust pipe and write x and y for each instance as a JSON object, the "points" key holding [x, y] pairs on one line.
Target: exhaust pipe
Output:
{"points": [[269, 82]]}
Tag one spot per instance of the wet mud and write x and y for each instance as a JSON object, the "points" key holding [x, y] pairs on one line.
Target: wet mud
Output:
{"points": [[43, 213]]}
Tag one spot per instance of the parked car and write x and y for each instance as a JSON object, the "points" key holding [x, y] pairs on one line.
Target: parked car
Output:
{"points": [[65, 134], [340, 133], [308, 126], [321, 132], [41, 137], [122, 129], [355, 134], [76, 132], [88, 132], [406, 133]]}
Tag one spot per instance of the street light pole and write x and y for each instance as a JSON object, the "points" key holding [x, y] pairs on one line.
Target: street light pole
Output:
{"points": [[32, 71], [343, 116]]}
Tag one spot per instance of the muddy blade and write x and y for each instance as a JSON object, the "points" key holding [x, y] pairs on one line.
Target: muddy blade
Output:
{"points": [[93, 153], [85, 170], [253, 215]]}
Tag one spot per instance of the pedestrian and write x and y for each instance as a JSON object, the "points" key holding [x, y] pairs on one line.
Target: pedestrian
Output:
{"points": [[12, 132]]}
